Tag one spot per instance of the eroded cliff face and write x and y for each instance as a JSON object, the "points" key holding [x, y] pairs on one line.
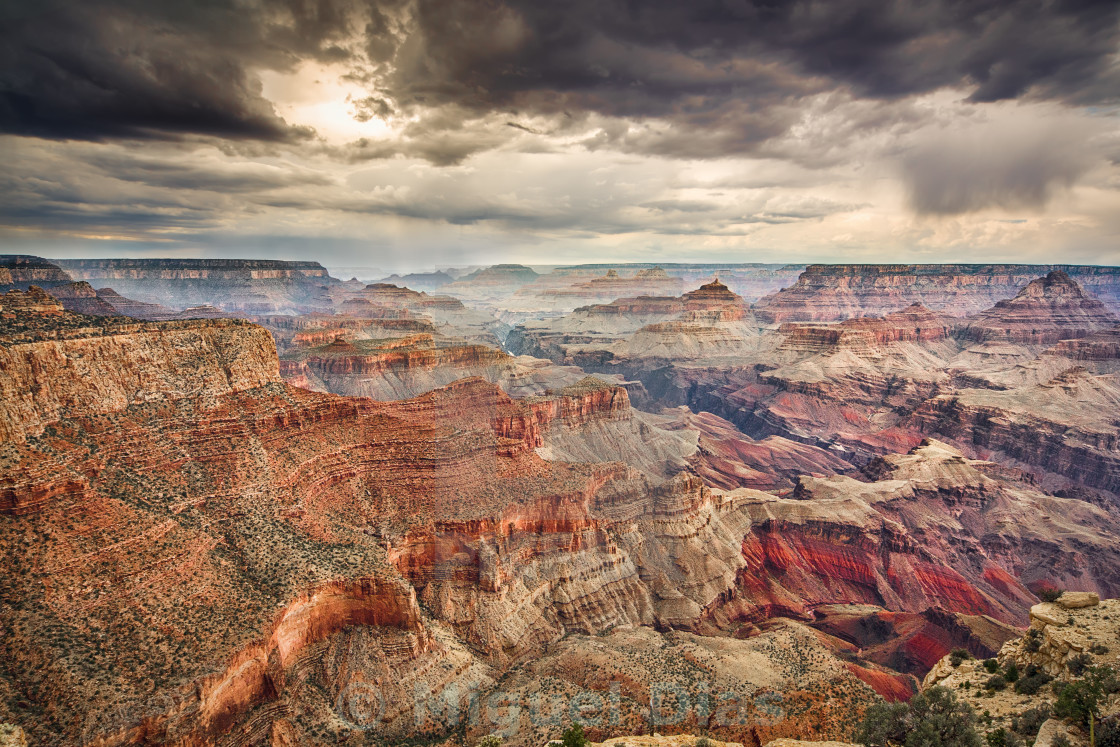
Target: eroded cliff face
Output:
{"points": [[835, 292], [934, 530], [1046, 311], [20, 272], [871, 335], [393, 369], [102, 369]]}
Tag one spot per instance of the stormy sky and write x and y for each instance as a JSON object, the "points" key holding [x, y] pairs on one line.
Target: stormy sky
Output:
{"points": [[405, 134]]}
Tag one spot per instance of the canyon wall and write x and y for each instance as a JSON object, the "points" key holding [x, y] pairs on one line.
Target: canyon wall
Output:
{"points": [[835, 292], [19, 272], [242, 285]]}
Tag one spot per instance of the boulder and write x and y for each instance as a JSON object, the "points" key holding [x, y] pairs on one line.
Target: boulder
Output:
{"points": [[1075, 600], [1051, 729]]}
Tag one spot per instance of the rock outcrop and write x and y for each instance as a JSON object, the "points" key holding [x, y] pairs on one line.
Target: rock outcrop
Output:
{"points": [[1046, 311], [81, 298], [84, 370]]}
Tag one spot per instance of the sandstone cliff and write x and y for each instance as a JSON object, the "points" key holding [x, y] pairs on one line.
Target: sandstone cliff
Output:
{"points": [[101, 369]]}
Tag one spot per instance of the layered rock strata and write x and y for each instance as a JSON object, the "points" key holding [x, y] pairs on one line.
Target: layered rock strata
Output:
{"points": [[1046, 311], [245, 285], [20, 272], [835, 292]]}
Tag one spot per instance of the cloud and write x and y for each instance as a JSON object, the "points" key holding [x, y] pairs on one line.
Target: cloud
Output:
{"points": [[105, 69], [1011, 164], [685, 80]]}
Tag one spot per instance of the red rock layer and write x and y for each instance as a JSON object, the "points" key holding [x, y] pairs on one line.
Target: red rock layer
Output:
{"points": [[913, 324], [911, 642], [729, 459], [1100, 346]]}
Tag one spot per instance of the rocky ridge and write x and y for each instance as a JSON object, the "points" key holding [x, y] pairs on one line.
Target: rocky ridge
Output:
{"points": [[235, 285], [835, 292], [1046, 311]]}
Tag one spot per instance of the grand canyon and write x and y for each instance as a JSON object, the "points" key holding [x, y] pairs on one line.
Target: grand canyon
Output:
{"points": [[245, 502], [569, 373]]}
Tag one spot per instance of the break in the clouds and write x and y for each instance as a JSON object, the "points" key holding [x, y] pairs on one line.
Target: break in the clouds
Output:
{"points": [[735, 128]]}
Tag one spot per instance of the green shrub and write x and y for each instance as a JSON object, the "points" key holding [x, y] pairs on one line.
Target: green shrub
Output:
{"points": [[996, 682], [1011, 672], [1032, 681], [934, 718], [885, 724], [1079, 664], [1099, 649], [1077, 701], [1108, 733], [991, 665], [490, 740], [958, 655], [1027, 723], [1049, 594], [1003, 738], [573, 736]]}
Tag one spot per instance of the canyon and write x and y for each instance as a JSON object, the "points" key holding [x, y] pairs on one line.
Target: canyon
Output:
{"points": [[244, 502]]}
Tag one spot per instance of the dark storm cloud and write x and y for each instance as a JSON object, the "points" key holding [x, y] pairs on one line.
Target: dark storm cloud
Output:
{"points": [[689, 61], [102, 69], [725, 73]]}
